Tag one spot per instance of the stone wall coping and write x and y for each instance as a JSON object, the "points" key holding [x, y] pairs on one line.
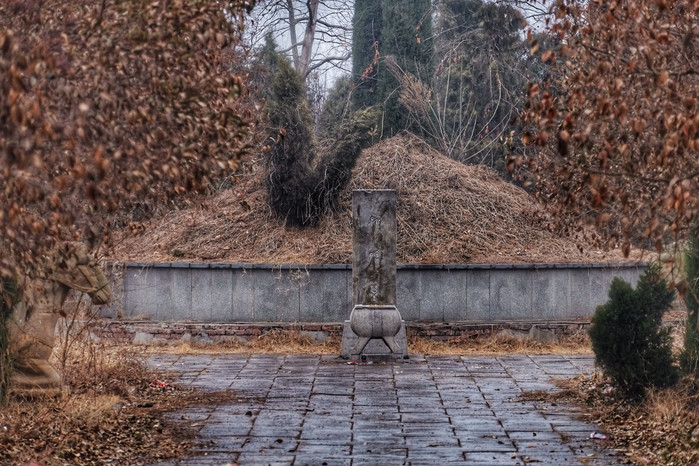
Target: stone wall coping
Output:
{"points": [[420, 323], [274, 267]]}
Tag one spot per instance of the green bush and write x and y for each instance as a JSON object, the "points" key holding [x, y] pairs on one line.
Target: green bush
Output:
{"points": [[9, 295], [629, 344], [302, 182], [690, 356]]}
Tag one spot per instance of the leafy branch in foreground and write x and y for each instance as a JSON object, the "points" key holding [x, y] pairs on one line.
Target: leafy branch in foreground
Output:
{"points": [[109, 109], [615, 125]]}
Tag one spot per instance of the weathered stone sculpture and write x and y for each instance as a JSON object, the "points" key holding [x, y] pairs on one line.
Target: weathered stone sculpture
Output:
{"points": [[374, 315], [32, 324]]}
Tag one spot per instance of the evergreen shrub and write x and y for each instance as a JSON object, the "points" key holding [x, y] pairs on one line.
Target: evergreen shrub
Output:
{"points": [[629, 343], [9, 296], [302, 182], [690, 356]]}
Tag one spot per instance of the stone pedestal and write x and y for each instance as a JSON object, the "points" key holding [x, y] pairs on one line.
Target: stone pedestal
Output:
{"points": [[376, 349], [374, 316]]}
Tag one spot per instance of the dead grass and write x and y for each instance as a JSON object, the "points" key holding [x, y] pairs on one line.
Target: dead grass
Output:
{"points": [[500, 344], [114, 414], [292, 342], [662, 430], [273, 342], [447, 213]]}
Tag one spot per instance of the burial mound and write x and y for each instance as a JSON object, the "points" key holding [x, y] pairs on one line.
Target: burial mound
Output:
{"points": [[447, 213]]}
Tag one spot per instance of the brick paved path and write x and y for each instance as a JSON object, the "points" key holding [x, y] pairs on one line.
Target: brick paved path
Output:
{"points": [[318, 410]]}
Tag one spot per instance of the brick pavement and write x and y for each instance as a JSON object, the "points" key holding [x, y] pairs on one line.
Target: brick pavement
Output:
{"points": [[318, 410]]}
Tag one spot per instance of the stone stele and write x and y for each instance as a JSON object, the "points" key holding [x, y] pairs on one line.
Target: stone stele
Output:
{"points": [[374, 318]]}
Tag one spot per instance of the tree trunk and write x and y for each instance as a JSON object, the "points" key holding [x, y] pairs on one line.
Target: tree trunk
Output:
{"points": [[292, 34], [308, 37]]}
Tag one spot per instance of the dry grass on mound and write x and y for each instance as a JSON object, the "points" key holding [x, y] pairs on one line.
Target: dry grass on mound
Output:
{"points": [[447, 213]]}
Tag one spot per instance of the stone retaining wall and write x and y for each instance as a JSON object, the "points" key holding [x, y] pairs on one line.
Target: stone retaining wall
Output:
{"points": [[231, 293]]}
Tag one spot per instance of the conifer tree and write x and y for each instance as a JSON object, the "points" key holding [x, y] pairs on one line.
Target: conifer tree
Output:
{"points": [[367, 24], [628, 339], [402, 30], [406, 36]]}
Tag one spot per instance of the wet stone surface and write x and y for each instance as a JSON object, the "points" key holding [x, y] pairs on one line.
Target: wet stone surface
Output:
{"points": [[318, 410]]}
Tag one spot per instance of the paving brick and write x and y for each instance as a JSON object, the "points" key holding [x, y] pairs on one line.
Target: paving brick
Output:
{"points": [[299, 409]]}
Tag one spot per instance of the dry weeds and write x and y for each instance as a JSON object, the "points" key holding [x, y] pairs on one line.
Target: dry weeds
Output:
{"points": [[500, 344], [292, 342], [273, 342], [114, 414], [662, 430], [447, 213]]}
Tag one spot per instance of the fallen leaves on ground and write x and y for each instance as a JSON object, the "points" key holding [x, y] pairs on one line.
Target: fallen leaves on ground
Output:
{"points": [[663, 429], [123, 421]]}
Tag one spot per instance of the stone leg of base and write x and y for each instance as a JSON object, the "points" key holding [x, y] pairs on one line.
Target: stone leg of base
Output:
{"points": [[376, 349]]}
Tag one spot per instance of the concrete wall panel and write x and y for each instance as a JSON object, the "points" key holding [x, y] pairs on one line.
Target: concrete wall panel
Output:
{"points": [[324, 296], [174, 294], [140, 293], [409, 294], [431, 296], [579, 294], [242, 295], [551, 294], [510, 295], [276, 296], [450, 289], [478, 296]]}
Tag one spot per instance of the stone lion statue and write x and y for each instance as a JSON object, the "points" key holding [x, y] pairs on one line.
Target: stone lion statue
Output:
{"points": [[32, 323]]}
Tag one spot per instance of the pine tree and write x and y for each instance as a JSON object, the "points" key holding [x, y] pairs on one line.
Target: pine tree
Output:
{"points": [[402, 30], [483, 68], [628, 339], [303, 184], [367, 24], [408, 37]]}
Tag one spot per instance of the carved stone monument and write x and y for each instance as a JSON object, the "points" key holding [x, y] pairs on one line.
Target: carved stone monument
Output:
{"points": [[32, 327], [375, 315]]}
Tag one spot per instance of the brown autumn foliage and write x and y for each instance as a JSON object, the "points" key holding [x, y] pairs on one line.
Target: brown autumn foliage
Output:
{"points": [[616, 124], [107, 109]]}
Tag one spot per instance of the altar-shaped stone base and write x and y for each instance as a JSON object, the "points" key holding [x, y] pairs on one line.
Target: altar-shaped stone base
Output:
{"points": [[376, 350]]}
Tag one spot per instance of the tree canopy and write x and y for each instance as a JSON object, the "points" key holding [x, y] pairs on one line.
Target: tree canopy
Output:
{"points": [[401, 31]]}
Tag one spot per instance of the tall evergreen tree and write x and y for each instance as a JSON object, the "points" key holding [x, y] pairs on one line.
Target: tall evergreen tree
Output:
{"points": [[483, 69], [367, 24], [407, 36], [402, 30]]}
